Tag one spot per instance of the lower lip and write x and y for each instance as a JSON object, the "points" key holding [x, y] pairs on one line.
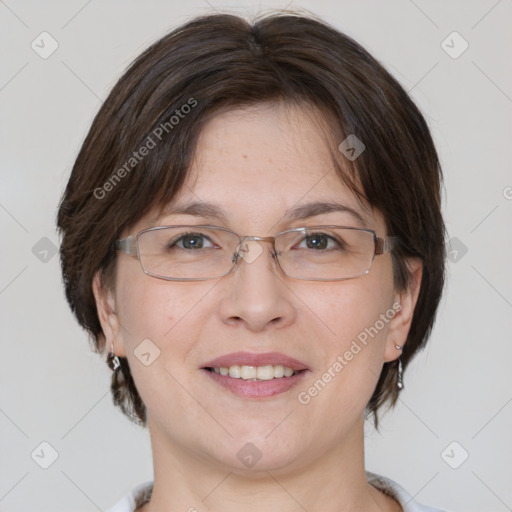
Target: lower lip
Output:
{"points": [[256, 389]]}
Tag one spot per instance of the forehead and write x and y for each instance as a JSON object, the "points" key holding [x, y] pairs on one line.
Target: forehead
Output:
{"points": [[265, 161], [263, 146]]}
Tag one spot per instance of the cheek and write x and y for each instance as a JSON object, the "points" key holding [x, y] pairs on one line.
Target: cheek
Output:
{"points": [[351, 308], [160, 322], [145, 309], [353, 352], [158, 310]]}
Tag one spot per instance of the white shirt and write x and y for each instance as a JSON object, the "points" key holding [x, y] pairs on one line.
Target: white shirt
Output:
{"points": [[387, 486]]}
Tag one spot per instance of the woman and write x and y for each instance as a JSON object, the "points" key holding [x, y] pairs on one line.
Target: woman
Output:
{"points": [[252, 230]]}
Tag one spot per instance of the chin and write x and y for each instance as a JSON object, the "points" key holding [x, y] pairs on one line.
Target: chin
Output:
{"points": [[255, 455]]}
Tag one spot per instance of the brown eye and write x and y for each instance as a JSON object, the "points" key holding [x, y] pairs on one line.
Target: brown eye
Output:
{"points": [[320, 241], [316, 241]]}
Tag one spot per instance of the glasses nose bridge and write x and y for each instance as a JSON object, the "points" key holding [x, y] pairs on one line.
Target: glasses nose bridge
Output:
{"points": [[248, 238], [251, 238], [241, 248]]}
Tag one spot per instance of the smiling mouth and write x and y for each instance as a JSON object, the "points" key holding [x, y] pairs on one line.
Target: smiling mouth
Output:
{"points": [[255, 373], [251, 375]]}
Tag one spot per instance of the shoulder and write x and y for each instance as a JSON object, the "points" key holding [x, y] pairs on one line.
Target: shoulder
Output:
{"points": [[135, 498], [391, 488]]}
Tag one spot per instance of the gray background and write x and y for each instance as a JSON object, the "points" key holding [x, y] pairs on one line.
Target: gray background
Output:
{"points": [[54, 389]]}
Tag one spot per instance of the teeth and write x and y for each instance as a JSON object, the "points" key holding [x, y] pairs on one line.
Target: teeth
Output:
{"points": [[234, 371], [267, 372], [248, 372], [288, 372], [278, 371]]}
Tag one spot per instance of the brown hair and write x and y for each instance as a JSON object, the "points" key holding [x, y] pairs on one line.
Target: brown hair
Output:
{"points": [[222, 61]]}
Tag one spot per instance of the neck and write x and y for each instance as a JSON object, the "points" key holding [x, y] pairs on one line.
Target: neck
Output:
{"points": [[334, 480]]}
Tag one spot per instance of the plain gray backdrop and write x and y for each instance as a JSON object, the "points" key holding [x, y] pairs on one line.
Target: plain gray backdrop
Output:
{"points": [[449, 439]]}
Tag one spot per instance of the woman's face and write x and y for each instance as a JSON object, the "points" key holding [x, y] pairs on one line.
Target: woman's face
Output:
{"points": [[256, 166]]}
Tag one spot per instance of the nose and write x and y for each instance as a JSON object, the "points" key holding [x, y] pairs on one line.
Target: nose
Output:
{"points": [[256, 295]]}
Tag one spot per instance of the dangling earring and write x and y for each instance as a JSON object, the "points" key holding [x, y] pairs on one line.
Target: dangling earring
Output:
{"points": [[400, 383], [113, 360]]}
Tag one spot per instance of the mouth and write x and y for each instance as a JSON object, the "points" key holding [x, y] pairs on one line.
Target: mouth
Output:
{"points": [[250, 375], [255, 373]]}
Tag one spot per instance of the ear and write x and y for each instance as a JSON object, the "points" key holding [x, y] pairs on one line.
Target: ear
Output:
{"points": [[400, 324], [106, 308]]}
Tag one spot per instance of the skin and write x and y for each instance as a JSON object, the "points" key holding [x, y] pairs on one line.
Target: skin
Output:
{"points": [[257, 163]]}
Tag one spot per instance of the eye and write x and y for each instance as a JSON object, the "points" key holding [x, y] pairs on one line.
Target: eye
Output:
{"points": [[191, 241], [320, 241]]}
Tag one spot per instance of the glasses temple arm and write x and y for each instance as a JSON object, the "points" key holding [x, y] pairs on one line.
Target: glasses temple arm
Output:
{"points": [[127, 245], [385, 244]]}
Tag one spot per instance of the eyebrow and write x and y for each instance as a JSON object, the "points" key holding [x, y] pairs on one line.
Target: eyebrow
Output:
{"points": [[197, 208], [204, 209], [319, 207]]}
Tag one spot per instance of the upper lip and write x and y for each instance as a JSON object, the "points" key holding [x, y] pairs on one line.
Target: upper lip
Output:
{"points": [[255, 359]]}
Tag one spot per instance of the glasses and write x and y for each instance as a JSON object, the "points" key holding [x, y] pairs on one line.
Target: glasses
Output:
{"points": [[196, 253]]}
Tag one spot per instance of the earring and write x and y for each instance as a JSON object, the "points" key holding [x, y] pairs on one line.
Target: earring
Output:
{"points": [[113, 360], [398, 347], [400, 383]]}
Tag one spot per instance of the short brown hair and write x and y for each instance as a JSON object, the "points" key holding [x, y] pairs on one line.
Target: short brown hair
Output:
{"points": [[222, 61]]}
